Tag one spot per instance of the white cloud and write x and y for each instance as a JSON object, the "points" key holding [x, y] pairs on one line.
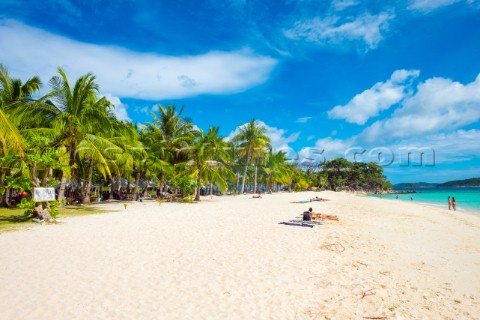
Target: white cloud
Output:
{"points": [[428, 122], [438, 149], [439, 104], [340, 5], [303, 120], [28, 51], [430, 5], [380, 97], [120, 110], [324, 149], [457, 146], [365, 29]]}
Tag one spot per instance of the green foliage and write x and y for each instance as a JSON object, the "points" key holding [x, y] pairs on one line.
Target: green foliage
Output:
{"points": [[72, 132], [186, 199], [301, 185], [340, 174], [27, 203], [54, 205], [52, 183], [185, 184], [387, 185], [18, 183]]}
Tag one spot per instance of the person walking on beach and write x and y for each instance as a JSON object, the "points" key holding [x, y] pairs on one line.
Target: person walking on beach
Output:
{"points": [[454, 204], [449, 203]]}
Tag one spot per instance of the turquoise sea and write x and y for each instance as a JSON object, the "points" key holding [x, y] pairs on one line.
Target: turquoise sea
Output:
{"points": [[468, 199]]}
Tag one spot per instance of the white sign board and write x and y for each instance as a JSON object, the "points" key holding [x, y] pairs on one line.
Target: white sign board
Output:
{"points": [[43, 194]]}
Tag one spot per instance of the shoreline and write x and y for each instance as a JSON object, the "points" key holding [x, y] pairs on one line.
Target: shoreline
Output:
{"points": [[231, 257], [470, 211]]}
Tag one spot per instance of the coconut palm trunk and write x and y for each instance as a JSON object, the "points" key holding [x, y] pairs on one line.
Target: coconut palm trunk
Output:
{"points": [[145, 191], [198, 189], [245, 172], [162, 182], [61, 190], [136, 190], [6, 198], [88, 188], [255, 182], [238, 182]]}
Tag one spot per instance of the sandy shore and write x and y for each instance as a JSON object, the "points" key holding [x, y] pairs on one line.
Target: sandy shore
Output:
{"points": [[229, 258]]}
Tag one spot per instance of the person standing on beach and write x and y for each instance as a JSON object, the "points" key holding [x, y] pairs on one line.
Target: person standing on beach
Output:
{"points": [[454, 204], [449, 203]]}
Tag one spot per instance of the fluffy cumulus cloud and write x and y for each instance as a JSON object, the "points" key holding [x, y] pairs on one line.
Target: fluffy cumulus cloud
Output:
{"points": [[428, 124], [366, 29], [324, 149], [427, 151], [120, 109], [439, 104], [371, 102], [28, 51]]}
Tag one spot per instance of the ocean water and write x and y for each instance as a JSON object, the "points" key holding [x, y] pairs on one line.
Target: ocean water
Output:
{"points": [[468, 199]]}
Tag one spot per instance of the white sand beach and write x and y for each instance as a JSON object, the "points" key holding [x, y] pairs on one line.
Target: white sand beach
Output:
{"points": [[229, 258]]}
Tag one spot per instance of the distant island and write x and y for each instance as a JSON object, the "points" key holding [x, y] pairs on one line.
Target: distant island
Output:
{"points": [[472, 182], [414, 185]]}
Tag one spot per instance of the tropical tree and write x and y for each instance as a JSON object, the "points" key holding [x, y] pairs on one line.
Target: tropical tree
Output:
{"points": [[235, 162], [337, 171], [253, 141], [76, 112], [206, 160], [13, 93], [277, 169], [168, 136]]}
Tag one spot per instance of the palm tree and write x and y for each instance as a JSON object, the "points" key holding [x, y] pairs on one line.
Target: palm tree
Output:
{"points": [[13, 93], [253, 141], [206, 155], [75, 114], [234, 161], [277, 169], [97, 151], [173, 133], [169, 135]]}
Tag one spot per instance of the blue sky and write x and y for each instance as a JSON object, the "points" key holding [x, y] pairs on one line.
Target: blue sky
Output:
{"points": [[373, 80]]}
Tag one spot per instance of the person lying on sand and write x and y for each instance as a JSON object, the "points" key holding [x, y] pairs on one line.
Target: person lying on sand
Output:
{"points": [[318, 199], [257, 197], [314, 215]]}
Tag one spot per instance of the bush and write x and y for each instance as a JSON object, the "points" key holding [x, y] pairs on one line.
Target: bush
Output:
{"points": [[186, 185]]}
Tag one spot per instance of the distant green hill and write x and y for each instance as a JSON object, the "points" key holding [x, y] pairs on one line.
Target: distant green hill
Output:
{"points": [[473, 182], [413, 185]]}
